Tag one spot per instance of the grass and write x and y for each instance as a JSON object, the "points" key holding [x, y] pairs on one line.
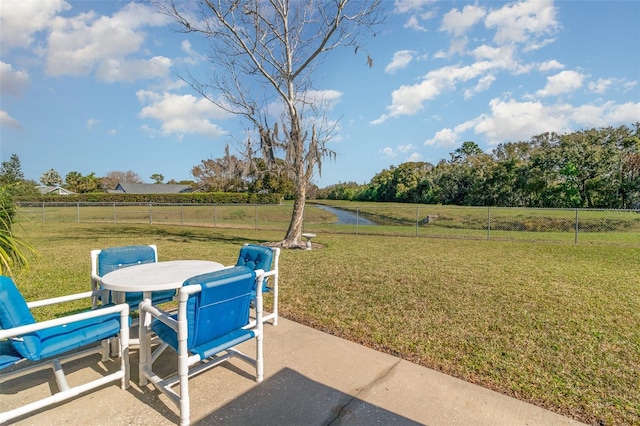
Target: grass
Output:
{"points": [[553, 324]]}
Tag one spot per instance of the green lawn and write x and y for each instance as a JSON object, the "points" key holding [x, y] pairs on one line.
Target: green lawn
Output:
{"points": [[557, 325]]}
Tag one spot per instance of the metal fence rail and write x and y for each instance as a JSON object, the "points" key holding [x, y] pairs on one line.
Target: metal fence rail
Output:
{"points": [[492, 223]]}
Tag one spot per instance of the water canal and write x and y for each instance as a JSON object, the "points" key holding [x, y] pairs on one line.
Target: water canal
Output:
{"points": [[345, 217]]}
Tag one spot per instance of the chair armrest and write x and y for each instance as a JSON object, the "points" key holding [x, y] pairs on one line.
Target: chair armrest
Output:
{"points": [[123, 308], [270, 273], [62, 299], [146, 307], [95, 279]]}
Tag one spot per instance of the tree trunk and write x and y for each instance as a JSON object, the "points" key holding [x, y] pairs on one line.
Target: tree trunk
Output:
{"points": [[293, 238]]}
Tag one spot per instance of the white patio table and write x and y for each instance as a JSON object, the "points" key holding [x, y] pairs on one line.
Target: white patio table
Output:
{"points": [[149, 277]]}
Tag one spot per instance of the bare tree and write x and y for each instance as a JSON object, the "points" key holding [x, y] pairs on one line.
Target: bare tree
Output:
{"points": [[112, 179], [51, 178], [227, 174], [264, 54]]}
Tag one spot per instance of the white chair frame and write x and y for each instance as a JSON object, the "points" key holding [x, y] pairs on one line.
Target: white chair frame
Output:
{"points": [[66, 392], [273, 316], [274, 272], [96, 279], [186, 361]]}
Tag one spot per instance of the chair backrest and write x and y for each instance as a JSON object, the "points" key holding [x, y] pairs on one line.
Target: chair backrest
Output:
{"points": [[260, 257], [14, 312], [255, 257], [221, 306], [112, 258]]}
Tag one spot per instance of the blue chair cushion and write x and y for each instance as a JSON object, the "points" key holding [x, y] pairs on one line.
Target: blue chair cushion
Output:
{"points": [[133, 299], [8, 355], [64, 338], [220, 344], [215, 315], [41, 344], [256, 257], [113, 258], [14, 312]]}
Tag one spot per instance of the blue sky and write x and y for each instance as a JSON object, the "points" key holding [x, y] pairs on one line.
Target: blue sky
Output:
{"points": [[93, 86]]}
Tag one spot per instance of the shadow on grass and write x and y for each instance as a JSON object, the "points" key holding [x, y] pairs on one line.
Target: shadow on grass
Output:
{"points": [[177, 234]]}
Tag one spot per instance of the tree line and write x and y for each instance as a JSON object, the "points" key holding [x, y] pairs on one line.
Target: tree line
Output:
{"points": [[596, 168], [226, 174]]}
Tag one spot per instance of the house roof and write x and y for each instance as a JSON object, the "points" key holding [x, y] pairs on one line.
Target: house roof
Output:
{"points": [[44, 189], [150, 188]]}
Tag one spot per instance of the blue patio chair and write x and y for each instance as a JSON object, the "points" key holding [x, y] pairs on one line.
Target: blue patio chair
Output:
{"points": [[266, 258], [27, 346], [109, 259], [212, 319]]}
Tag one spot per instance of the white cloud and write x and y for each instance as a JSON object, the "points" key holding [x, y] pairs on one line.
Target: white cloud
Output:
{"points": [[7, 121], [388, 152], [92, 122], [415, 157], [401, 59], [511, 120], [416, 9], [112, 70], [606, 114], [444, 137], [457, 23], [193, 57], [20, 20], [181, 114], [408, 100], [483, 85], [12, 82], [86, 42], [550, 66], [563, 82], [600, 86], [327, 98], [406, 148], [523, 21], [404, 6], [414, 24], [502, 55], [440, 54]]}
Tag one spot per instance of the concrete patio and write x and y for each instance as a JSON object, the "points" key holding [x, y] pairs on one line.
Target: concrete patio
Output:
{"points": [[311, 378]]}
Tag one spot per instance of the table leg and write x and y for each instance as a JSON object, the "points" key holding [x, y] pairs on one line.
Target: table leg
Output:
{"points": [[145, 342], [118, 297]]}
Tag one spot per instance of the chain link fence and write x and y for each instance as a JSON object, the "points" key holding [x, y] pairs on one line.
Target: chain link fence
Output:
{"points": [[493, 223]]}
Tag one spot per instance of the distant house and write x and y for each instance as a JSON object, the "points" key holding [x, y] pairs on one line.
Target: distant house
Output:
{"points": [[53, 190], [150, 188]]}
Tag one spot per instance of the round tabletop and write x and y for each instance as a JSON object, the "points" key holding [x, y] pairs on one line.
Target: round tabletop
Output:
{"points": [[157, 276]]}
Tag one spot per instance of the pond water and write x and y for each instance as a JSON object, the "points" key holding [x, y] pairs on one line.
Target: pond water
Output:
{"points": [[346, 217]]}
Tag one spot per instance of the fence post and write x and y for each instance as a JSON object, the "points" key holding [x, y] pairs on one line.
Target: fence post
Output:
{"points": [[150, 215], [115, 220], [417, 220], [214, 215], [255, 218], [43, 219], [357, 219], [488, 222], [78, 209], [181, 214], [575, 240]]}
